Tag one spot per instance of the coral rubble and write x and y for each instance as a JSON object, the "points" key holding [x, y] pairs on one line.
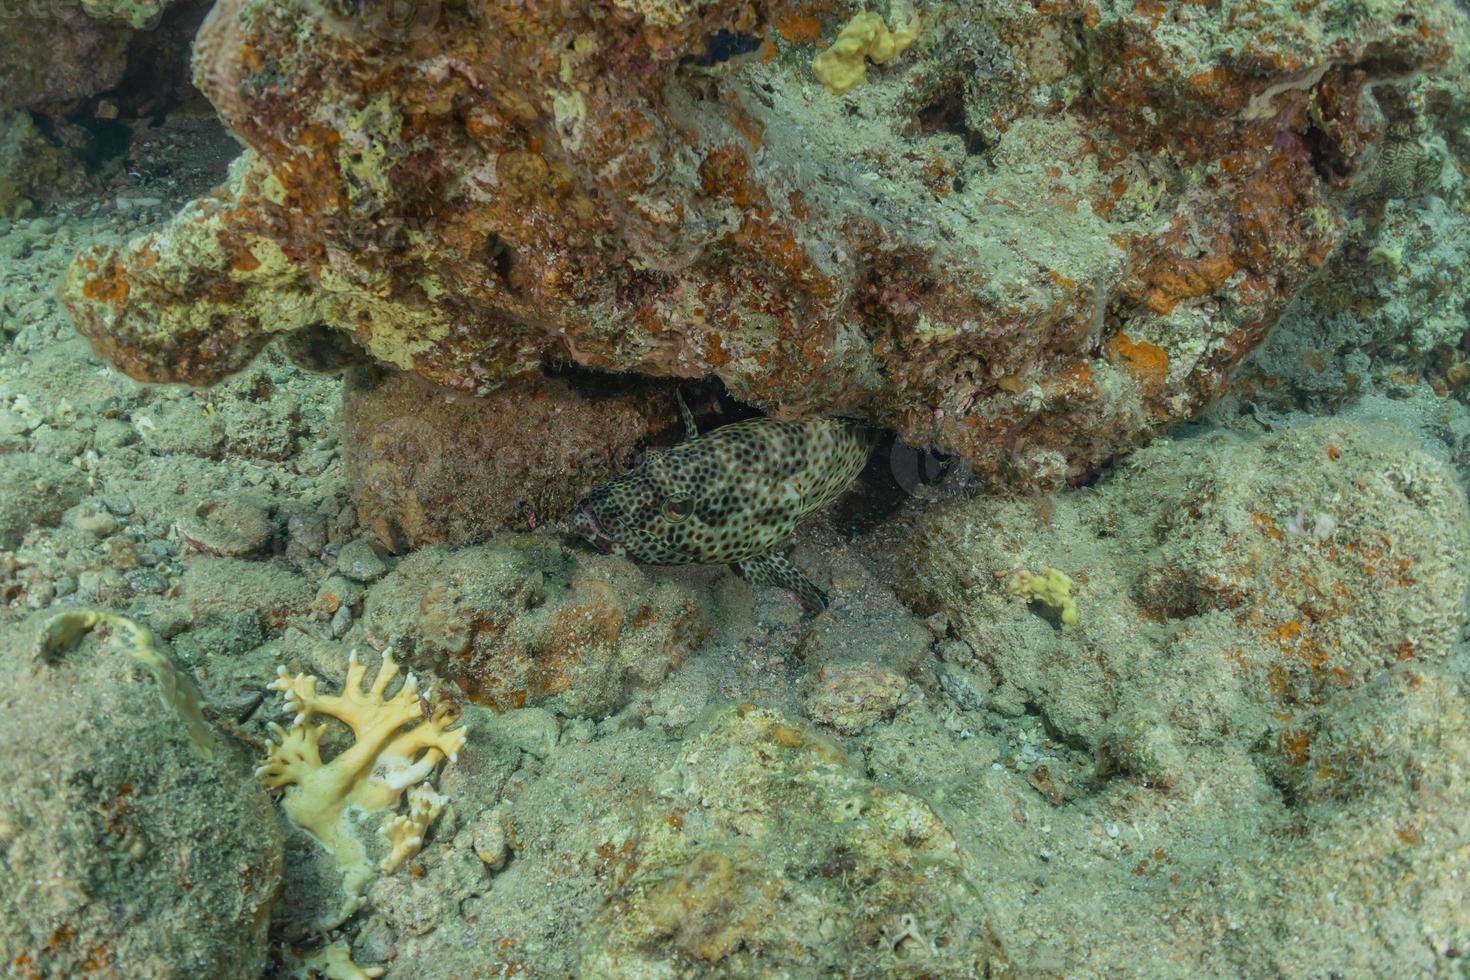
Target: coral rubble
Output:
{"points": [[1033, 240]]}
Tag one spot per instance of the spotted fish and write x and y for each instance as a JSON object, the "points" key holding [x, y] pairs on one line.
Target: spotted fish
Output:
{"points": [[732, 495]]}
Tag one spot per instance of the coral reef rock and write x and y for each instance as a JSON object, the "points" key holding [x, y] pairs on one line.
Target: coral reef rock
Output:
{"points": [[1031, 239], [1253, 738], [431, 466], [780, 859], [1388, 309], [523, 621], [67, 49], [31, 169], [850, 698], [134, 842], [1227, 605]]}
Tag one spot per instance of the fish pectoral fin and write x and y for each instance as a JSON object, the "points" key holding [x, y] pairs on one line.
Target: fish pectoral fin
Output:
{"points": [[691, 430], [776, 569]]}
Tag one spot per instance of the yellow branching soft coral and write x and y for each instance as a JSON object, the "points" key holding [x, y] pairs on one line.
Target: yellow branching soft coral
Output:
{"points": [[406, 831], [843, 66], [1051, 588], [395, 746]]}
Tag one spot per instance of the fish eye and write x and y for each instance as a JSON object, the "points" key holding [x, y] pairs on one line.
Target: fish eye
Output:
{"points": [[678, 508]]}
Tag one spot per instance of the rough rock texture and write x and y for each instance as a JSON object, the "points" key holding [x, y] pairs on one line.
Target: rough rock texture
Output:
{"points": [[217, 587], [1255, 735], [34, 492], [30, 167], [780, 859], [55, 52], [68, 49], [523, 621], [850, 698], [1270, 587], [1391, 307], [79, 81], [427, 465], [1031, 239], [125, 852]]}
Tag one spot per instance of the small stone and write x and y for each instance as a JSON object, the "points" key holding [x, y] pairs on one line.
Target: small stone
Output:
{"points": [[153, 553], [118, 504], [145, 581], [96, 522], [335, 593], [341, 621], [308, 532], [534, 731], [262, 430], [489, 840], [180, 427], [852, 697], [113, 434], [234, 527], [358, 561], [314, 462], [1008, 702], [374, 944], [957, 652], [102, 585], [59, 444], [967, 689]]}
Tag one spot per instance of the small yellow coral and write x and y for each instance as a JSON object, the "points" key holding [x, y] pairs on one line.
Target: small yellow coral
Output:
{"points": [[394, 748], [1051, 588], [406, 831], [843, 66]]}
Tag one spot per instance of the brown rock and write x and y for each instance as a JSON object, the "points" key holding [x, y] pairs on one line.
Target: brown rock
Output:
{"points": [[64, 50], [431, 466]]}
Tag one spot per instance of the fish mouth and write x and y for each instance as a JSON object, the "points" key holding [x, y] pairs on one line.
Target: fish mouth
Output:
{"points": [[584, 522]]}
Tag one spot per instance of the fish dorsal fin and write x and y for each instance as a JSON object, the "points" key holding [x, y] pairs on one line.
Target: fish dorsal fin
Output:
{"points": [[691, 430]]}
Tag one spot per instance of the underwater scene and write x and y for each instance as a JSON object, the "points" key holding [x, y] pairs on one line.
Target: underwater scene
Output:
{"points": [[667, 489]]}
